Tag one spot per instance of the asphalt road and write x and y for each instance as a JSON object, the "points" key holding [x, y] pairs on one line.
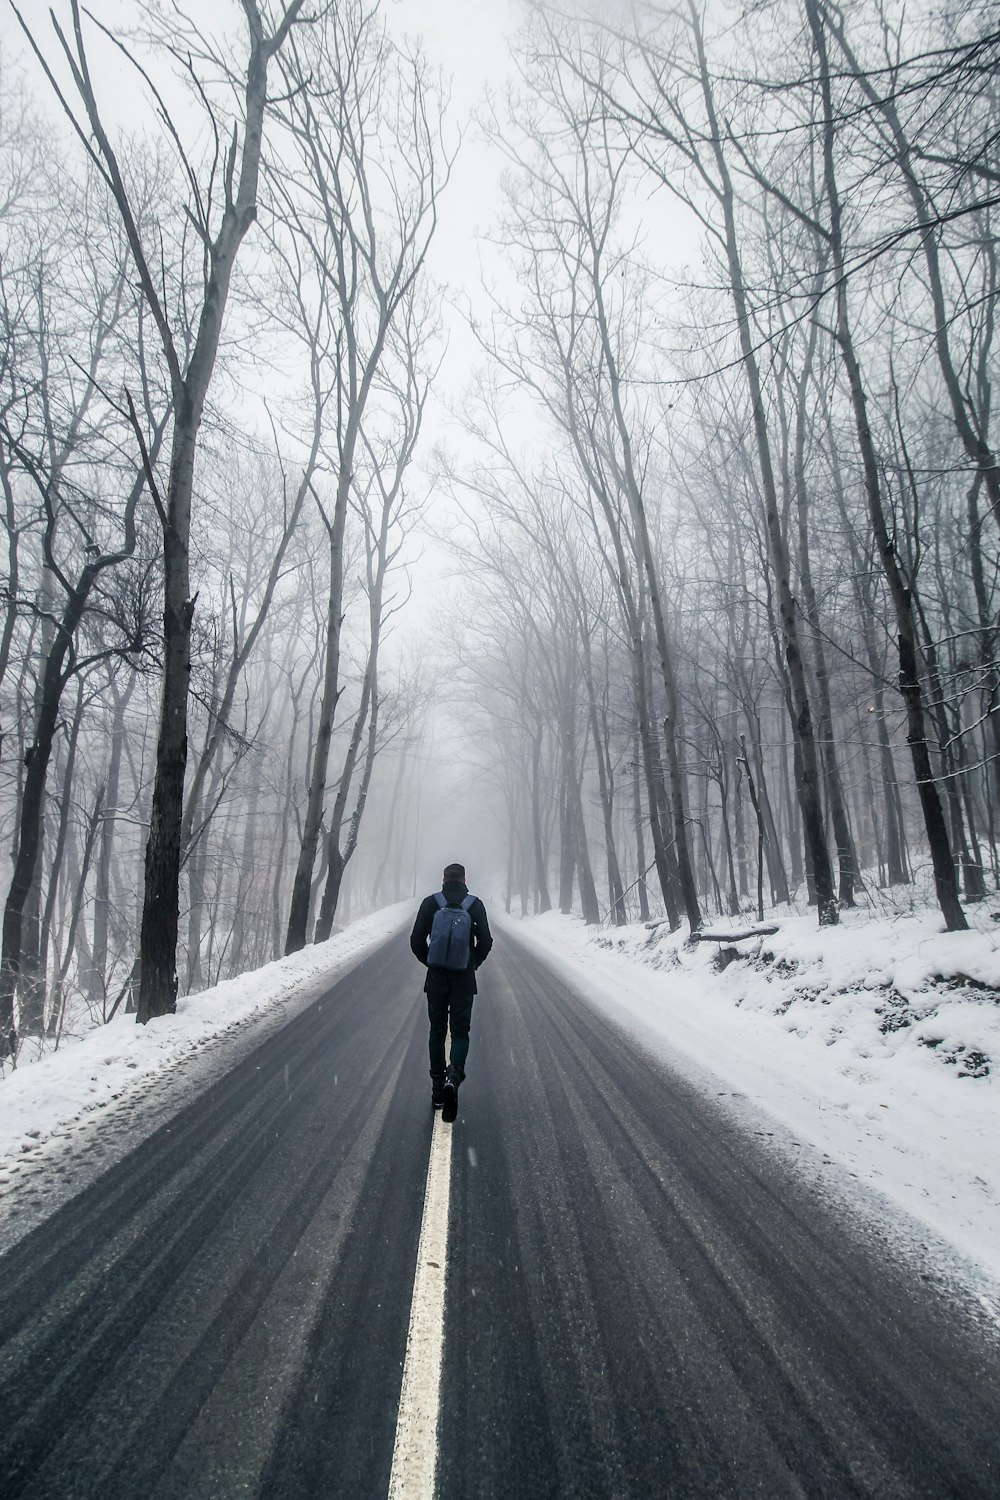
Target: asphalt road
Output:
{"points": [[642, 1301]]}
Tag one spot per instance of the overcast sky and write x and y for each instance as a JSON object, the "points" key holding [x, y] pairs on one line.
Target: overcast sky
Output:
{"points": [[467, 40]]}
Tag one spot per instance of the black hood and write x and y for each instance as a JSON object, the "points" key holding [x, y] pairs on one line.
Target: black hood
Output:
{"points": [[454, 892]]}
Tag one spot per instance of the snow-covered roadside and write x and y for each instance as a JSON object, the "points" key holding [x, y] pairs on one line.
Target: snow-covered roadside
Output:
{"points": [[65, 1115], [870, 1042]]}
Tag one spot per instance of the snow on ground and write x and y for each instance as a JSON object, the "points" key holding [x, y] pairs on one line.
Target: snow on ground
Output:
{"points": [[67, 1114], [876, 1042], [869, 1052]]}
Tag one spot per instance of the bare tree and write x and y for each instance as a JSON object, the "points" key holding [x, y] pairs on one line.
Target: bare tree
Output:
{"points": [[909, 680], [386, 515], [66, 444], [367, 234], [221, 207], [574, 346]]}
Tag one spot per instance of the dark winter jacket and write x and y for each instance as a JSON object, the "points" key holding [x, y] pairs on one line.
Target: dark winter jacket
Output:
{"points": [[450, 981]]}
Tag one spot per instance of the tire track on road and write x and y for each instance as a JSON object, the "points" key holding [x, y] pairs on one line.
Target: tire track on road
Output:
{"points": [[692, 1317], [139, 1301]]}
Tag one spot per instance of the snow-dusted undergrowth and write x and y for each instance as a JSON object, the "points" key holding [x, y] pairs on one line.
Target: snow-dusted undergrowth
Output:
{"points": [[872, 986]]}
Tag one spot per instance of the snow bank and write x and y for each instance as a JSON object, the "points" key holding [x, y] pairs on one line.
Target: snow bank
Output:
{"points": [[877, 1042], [868, 988], [53, 1091]]}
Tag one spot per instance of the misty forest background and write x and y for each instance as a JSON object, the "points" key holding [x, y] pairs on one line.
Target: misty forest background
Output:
{"points": [[715, 543]]}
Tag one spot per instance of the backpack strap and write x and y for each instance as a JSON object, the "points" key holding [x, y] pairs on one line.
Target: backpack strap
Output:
{"points": [[467, 903], [439, 898]]}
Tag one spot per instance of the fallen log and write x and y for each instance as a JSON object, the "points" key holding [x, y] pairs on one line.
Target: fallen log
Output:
{"points": [[732, 937]]}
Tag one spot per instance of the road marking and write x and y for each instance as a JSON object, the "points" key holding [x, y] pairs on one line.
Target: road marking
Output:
{"points": [[414, 1454]]}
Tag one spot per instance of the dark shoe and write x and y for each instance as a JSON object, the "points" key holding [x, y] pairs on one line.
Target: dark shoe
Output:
{"points": [[449, 1107], [437, 1091]]}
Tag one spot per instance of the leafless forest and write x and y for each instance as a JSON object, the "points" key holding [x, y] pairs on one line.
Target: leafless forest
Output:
{"points": [[720, 523]]}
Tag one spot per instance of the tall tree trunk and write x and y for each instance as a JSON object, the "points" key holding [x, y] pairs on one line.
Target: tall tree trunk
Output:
{"points": [[97, 983], [58, 855], [567, 848], [900, 590], [659, 821], [389, 851], [585, 874], [31, 811], [629, 476], [604, 784], [988, 637], [640, 844], [776, 873], [339, 857], [895, 837], [950, 749], [57, 1004], [809, 790], [246, 918], [544, 900], [161, 896], [846, 857], [734, 900], [298, 916]]}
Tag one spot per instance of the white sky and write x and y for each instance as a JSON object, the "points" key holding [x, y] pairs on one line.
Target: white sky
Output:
{"points": [[466, 40], [469, 42]]}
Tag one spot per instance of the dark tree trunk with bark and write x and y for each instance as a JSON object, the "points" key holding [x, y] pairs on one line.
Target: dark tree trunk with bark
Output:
{"points": [[29, 834], [809, 788], [640, 843], [909, 674], [544, 900]]}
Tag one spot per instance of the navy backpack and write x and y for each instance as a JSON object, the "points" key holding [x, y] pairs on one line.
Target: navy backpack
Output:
{"points": [[451, 935]]}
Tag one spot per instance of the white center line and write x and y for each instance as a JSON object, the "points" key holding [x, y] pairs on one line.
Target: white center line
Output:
{"points": [[414, 1454]]}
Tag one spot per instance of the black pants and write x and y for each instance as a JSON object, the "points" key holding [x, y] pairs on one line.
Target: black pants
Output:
{"points": [[443, 1008]]}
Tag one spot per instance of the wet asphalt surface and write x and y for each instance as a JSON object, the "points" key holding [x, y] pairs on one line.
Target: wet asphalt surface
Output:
{"points": [[642, 1300]]}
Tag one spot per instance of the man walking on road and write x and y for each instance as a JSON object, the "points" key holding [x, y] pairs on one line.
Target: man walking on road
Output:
{"points": [[452, 937]]}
